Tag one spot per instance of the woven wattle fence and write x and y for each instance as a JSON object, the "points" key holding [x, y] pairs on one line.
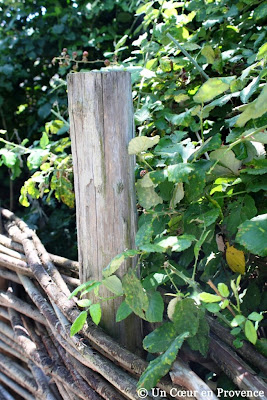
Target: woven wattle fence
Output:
{"points": [[39, 359]]}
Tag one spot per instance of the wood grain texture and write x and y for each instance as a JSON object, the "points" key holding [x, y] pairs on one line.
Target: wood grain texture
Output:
{"points": [[101, 126]]}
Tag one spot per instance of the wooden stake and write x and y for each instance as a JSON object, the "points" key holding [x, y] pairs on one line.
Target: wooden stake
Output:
{"points": [[101, 126]]}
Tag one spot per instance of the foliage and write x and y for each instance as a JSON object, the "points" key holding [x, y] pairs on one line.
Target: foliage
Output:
{"points": [[199, 86], [198, 70], [33, 94]]}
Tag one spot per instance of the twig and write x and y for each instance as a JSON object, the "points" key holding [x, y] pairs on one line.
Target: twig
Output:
{"points": [[15, 387], [4, 395], [198, 67]]}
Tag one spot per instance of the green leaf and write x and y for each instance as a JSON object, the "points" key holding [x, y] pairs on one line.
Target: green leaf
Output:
{"points": [[176, 243], [9, 158], [121, 42], [255, 109], [239, 211], [36, 158], [238, 320], [116, 262], [135, 295], [113, 283], [254, 316], [209, 298], [179, 172], [144, 234], [95, 312], [200, 342], [160, 339], [253, 235], [256, 166], [147, 197], [142, 143], [248, 91], [208, 218], [250, 332], [78, 323], [146, 181], [123, 311], [262, 53], [227, 158], [81, 287], [186, 317], [223, 289], [161, 365], [178, 194], [141, 116], [213, 307], [237, 343], [210, 89], [90, 288], [84, 303], [209, 54], [155, 309], [152, 248], [196, 184], [44, 140]]}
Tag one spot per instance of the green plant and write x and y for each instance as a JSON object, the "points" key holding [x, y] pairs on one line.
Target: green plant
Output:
{"points": [[200, 96]]}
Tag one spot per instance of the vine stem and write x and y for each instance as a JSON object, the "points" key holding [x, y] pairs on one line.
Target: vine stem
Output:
{"points": [[15, 145], [198, 67]]}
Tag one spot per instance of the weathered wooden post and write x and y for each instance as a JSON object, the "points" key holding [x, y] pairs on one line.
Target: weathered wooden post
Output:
{"points": [[101, 126]]}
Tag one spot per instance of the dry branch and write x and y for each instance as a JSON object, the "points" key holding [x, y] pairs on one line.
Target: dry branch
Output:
{"points": [[42, 338], [16, 387], [10, 368], [247, 351], [235, 368], [4, 395], [9, 300], [182, 375]]}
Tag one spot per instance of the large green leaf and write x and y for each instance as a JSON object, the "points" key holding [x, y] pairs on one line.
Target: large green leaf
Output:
{"points": [[160, 339], [135, 295], [144, 234], [179, 172], [253, 235], [142, 143], [255, 109], [155, 309], [186, 317], [9, 158], [113, 283], [200, 342], [147, 197], [239, 211], [227, 159], [161, 365], [210, 89]]}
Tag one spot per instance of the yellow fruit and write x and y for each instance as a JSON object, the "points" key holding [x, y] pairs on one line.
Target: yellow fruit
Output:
{"points": [[235, 259]]}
